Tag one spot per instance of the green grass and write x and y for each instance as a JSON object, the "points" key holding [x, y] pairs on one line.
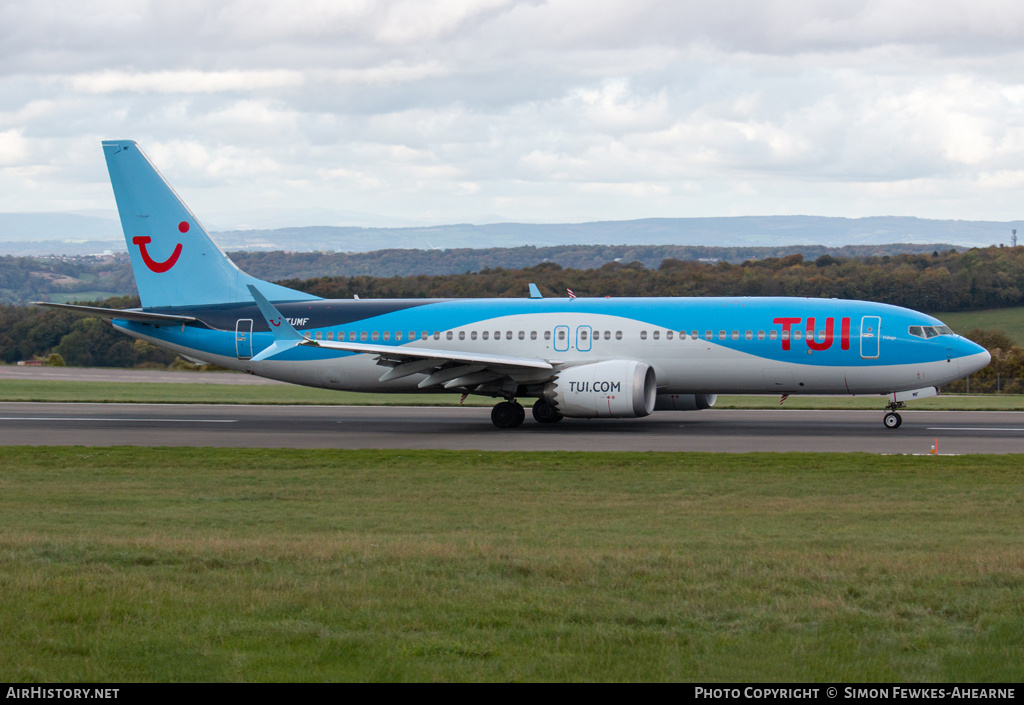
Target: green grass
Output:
{"points": [[245, 565], [201, 393], [1008, 320]]}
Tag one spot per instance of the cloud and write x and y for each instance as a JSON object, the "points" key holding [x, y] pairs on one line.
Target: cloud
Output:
{"points": [[188, 81], [437, 109]]}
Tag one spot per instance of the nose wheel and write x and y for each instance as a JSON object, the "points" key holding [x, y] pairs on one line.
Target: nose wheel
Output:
{"points": [[892, 420]]}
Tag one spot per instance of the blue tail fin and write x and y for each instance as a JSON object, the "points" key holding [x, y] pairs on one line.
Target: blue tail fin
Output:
{"points": [[174, 260]]}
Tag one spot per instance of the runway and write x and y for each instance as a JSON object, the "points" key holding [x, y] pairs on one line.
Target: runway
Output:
{"points": [[730, 431]]}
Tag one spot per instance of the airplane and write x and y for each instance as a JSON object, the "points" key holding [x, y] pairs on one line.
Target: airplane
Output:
{"points": [[578, 357]]}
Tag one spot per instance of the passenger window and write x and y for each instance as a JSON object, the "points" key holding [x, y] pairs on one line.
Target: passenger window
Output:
{"points": [[487, 335], [412, 335], [749, 335], [497, 335], [352, 335], [721, 335], [561, 335], [708, 335], [305, 335], [760, 335], [472, 336], [533, 335], [785, 335], [657, 334], [694, 334], [398, 335], [583, 335], [449, 335], [618, 335], [607, 335], [668, 335], [643, 335], [462, 335], [522, 335], [375, 335], [735, 335], [330, 335], [437, 335], [319, 335], [797, 335], [773, 334], [547, 335], [387, 335], [423, 335], [508, 335], [362, 335]]}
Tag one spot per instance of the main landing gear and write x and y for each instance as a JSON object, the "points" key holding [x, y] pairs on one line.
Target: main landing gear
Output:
{"points": [[891, 418], [545, 412], [510, 414]]}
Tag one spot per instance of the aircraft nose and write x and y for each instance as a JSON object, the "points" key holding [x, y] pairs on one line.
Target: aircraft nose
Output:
{"points": [[972, 358]]}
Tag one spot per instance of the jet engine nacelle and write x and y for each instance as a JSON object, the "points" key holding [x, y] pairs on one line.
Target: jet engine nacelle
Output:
{"points": [[611, 389], [685, 402]]}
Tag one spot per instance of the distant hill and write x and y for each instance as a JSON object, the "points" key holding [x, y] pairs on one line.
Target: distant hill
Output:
{"points": [[50, 233], [746, 231]]}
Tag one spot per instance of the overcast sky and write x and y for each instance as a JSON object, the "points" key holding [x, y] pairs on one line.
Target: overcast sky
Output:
{"points": [[449, 111]]}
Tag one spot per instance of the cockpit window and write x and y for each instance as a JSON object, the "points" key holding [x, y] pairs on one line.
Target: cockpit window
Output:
{"points": [[929, 331]]}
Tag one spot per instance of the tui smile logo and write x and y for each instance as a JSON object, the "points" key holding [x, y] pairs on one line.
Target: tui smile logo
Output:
{"points": [[160, 267]]}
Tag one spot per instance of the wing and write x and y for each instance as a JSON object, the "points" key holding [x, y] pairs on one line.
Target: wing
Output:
{"points": [[447, 368]]}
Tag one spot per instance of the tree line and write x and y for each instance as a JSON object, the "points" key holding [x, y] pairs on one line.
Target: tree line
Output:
{"points": [[941, 281], [54, 278]]}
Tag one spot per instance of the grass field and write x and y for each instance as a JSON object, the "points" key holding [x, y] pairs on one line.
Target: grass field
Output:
{"points": [[1008, 320], [239, 565], [150, 393]]}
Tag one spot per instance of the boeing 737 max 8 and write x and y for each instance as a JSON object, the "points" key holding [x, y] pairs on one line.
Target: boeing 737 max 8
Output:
{"points": [[576, 357]]}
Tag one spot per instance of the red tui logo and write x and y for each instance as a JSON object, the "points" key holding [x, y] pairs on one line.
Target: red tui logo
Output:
{"points": [[159, 267]]}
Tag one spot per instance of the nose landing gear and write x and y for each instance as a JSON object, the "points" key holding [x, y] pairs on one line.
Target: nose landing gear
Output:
{"points": [[892, 419]]}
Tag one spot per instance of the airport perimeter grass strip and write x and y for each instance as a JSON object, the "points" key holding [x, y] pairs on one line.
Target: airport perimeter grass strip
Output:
{"points": [[152, 393], [181, 564]]}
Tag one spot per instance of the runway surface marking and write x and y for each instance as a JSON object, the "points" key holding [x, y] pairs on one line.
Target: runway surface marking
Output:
{"points": [[973, 428], [120, 420]]}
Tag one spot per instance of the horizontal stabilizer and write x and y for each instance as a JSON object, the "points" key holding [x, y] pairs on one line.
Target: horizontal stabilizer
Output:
{"points": [[119, 314]]}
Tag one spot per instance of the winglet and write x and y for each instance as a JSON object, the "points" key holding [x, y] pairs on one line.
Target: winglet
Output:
{"points": [[535, 292], [285, 335]]}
